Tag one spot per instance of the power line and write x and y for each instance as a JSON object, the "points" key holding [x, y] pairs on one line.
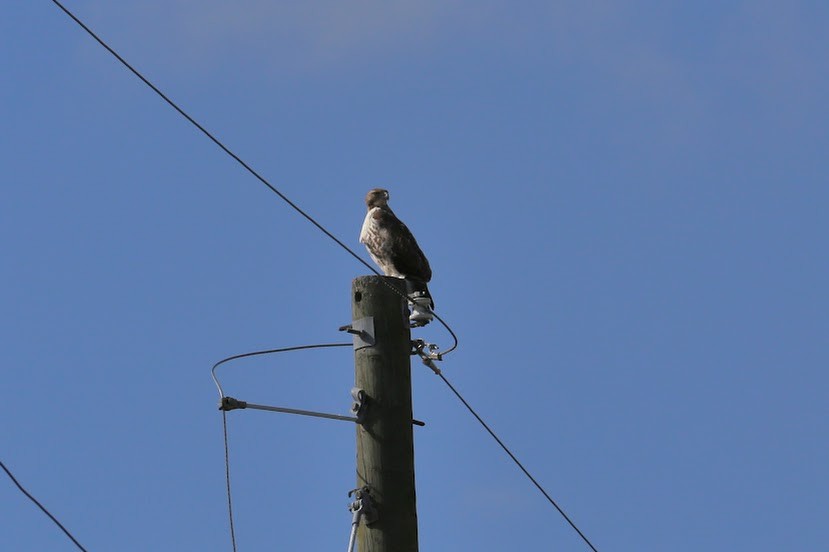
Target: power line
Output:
{"points": [[269, 352], [227, 481], [39, 505], [338, 242], [207, 133], [239, 160], [224, 413], [514, 459]]}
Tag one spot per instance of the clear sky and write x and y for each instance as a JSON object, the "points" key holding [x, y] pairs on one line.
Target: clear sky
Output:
{"points": [[624, 205]]}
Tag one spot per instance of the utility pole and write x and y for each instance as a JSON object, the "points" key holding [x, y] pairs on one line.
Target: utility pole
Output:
{"points": [[385, 447]]}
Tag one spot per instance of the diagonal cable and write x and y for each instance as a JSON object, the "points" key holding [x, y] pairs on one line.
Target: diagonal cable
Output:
{"points": [[39, 505], [517, 463]]}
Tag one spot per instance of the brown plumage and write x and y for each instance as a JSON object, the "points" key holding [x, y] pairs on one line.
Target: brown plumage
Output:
{"points": [[393, 247], [390, 242]]}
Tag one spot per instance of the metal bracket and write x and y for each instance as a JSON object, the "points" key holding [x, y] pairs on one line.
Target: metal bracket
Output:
{"points": [[363, 332], [363, 505], [358, 408], [362, 508], [426, 350], [229, 403], [428, 353]]}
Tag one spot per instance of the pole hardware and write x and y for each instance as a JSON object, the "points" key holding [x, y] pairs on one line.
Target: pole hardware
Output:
{"points": [[364, 503], [361, 508], [229, 403], [360, 404], [425, 350], [428, 353], [363, 331]]}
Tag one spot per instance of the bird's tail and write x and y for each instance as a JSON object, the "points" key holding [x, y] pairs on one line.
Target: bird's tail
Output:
{"points": [[418, 289]]}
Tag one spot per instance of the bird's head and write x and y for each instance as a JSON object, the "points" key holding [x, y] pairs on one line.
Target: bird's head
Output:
{"points": [[377, 197]]}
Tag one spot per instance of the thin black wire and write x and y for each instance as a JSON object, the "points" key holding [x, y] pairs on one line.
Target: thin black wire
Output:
{"points": [[224, 413], [207, 133], [514, 459], [227, 480], [268, 352], [241, 162], [445, 325], [39, 505]]}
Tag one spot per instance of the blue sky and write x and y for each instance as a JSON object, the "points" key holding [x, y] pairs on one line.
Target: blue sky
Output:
{"points": [[624, 207]]}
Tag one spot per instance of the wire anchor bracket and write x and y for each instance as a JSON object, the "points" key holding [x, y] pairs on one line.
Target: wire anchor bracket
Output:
{"points": [[363, 332], [364, 504], [363, 508], [428, 353]]}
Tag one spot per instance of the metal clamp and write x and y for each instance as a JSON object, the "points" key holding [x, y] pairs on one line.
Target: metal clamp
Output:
{"points": [[428, 353], [363, 504], [229, 403], [363, 332], [360, 404], [361, 508]]}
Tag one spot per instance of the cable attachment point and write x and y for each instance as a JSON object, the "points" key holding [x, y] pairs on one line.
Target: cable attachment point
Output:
{"points": [[421, 311], [363, 332], [363, 506], [428, 353], [229, 403], [360, 404], [420, 302]]}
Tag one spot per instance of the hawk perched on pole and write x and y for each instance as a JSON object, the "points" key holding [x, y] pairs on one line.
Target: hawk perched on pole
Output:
{"points": [[393, 247]]}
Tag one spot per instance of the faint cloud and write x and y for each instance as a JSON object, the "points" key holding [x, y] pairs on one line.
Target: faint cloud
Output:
{"points": [[679, 64], [295, 34], [313, 32], [688, 70]]}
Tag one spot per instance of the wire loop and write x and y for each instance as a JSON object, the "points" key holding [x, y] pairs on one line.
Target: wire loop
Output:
{"points": [[222, 400]]}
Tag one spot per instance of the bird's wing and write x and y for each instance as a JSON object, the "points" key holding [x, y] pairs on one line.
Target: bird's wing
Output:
{"points": [[404, 251]]}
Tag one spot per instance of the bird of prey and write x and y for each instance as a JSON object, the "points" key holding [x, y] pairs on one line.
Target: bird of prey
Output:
{"points": [[393, 247]]}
